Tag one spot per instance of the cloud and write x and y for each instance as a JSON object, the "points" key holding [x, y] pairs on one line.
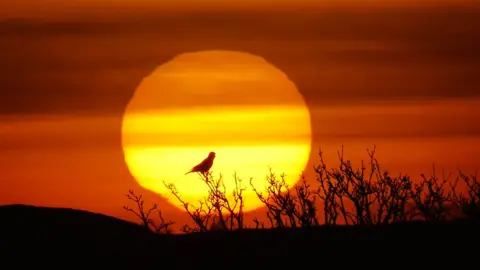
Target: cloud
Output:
{"points": [[93, 66]]}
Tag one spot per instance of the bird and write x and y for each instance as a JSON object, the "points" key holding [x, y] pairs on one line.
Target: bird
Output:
{"points": [[204, 166]]}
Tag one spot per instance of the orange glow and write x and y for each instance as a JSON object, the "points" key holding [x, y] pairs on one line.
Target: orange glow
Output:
{"points": [[232, 103]]}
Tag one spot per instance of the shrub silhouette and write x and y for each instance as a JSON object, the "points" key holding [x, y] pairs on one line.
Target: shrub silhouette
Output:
{"points": [[469, 203], [144, 215], [216, 209], [364, 196]]}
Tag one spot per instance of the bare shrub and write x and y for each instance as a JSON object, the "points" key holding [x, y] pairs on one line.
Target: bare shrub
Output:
{"points": [[363, 196], [367, 195], [288, 207], [431, 197], [216, 210], [467, 202], [161, 226]]}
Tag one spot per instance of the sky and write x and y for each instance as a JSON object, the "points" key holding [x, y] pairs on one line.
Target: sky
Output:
{"points": [[33, 8], [403, 78]]}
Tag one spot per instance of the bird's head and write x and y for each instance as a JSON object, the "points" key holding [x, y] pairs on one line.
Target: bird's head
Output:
{"points": [[211, 155]]}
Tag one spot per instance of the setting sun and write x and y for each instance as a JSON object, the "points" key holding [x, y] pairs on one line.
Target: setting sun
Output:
{"points": [[232, 103]]}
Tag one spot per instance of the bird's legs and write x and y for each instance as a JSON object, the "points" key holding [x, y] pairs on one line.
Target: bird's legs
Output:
{"points": [[204, 174]]}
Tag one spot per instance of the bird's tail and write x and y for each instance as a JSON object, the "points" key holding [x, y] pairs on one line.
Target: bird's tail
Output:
{"points": [[188, 172]]}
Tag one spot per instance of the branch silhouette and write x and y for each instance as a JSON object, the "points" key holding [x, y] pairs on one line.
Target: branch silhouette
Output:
{"points": [[144, 215], [367, 195]]}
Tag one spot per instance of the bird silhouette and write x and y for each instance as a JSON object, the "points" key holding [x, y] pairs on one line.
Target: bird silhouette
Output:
{"points": [[204, 166]]}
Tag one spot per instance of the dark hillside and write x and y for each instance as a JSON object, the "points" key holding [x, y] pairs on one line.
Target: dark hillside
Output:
{"points": [[33, 229], [39, 230]]}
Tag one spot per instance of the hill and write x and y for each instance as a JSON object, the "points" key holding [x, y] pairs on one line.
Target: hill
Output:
{"points": [[33, 230]]}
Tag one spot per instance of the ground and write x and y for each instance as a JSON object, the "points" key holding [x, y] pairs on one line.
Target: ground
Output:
{"points": [[30, 231]]}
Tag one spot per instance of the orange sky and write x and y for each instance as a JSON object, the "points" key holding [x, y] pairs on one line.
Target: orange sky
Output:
{"points": [[76, 162], [404, 81], [60, 8]]}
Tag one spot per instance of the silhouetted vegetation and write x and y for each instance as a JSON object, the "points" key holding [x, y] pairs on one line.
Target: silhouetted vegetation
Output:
{"points": [[216, 211], [161, 226], [342, 195]]}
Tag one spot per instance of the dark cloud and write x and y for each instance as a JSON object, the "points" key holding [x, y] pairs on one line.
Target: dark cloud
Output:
{"points": [[93, 66]]}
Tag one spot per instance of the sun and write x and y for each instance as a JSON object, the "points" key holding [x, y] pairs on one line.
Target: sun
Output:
{"points": [[232, 103]]}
